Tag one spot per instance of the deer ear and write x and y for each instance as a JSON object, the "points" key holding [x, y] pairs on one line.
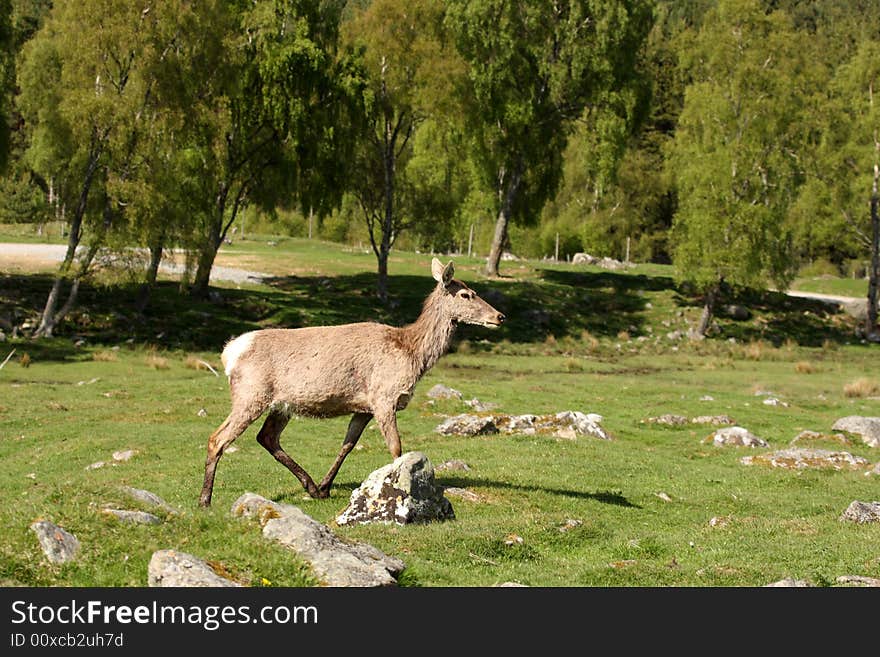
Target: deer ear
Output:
{"points": [[437, 270], [448, 273]]}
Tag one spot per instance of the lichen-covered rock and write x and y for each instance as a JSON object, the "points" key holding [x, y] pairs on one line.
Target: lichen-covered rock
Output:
{"points": [[668, 419], [862, 512], [133, 517], [334, 562], [170, 568], [59, 545], [790, 582], [800, 458], [467, 425], [807, 436], [441, 391], [148, 498], [565, 424], [866, 427], [403, 492], [735, 436], [463, 493], [714, 420], [857, 580]]}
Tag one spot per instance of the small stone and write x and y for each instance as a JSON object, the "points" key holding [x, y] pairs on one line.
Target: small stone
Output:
{"points": [[512, 585], [513, 539], [467, 425], [232, 449], [773, 401], [133, 517], [453, 465], [663, 496], [169, 568], [719, 521], [148, 498], [441, 391], [735, 436], [668, 419], [463, 493], [95, 465], [569, 524], [858, 580], [124, 454], [714, 420], [862, 512], [202, 413], [480, 407], [59, 545], [707, 398], [789, 582]]}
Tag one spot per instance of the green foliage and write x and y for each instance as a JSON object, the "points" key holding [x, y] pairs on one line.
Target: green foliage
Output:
{"points": [[734, 156]]}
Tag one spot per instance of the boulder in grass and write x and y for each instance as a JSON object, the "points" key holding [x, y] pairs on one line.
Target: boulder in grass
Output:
{"points": [[668, 419], [441, 391], [868, 428], [334, 562], [862, 512], [402, 492], [170, 568], [735, 436], [59, 545], [801, 458], [467, 425]]}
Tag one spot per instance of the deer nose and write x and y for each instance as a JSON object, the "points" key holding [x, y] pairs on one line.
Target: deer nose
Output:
{"points": [[500, 318]]}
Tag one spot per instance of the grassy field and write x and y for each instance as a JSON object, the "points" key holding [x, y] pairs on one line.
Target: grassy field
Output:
{"points": [[577, 338]]}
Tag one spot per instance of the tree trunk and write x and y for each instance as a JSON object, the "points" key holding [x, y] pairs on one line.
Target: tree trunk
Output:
{"points": [[207, 255], [389, 162], [508, 196], [709, 302], [143, 298], [874, 269]]}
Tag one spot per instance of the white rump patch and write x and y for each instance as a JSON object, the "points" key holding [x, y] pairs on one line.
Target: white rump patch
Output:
{"points": [[234, 349]]}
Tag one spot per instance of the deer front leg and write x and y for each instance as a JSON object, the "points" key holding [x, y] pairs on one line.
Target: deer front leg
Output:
{"points": [[388, 426], [356, 427]]}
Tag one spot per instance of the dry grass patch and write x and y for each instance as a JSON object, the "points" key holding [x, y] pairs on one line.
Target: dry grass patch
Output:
{"points": [[195, 363], [862, 387], [156, 362], [105, 356], [805, 367]]}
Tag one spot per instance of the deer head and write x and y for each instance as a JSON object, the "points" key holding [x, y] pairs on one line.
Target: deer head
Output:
{"points": [[459, 302]]}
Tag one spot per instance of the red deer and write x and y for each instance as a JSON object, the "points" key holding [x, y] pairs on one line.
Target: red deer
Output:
{"points": [[367, 369]]}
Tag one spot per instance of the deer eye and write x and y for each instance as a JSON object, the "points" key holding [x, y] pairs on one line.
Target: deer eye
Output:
{"points": [[466, 295]]}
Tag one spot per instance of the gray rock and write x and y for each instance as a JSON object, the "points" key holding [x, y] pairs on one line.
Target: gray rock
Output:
{"points": [[334, 562], [668, 419], [862, 512], [480, 407], [169, 568], [133, 517], [604, 263], [773, 401], [875, 470], [403, 492], [59, 545], [735, 436], [148, 498], [467, 425], [441, 391], [800, 458], [737, 312], [858, 580], [866, 427], [808, 436], [453, 464], [124, 454], [463, 493], [714, 420], [95, 465], [512, 585], [789, 582]]}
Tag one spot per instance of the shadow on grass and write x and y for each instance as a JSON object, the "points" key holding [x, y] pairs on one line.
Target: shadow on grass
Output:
{"points": [[605, 497], [559, 303]]}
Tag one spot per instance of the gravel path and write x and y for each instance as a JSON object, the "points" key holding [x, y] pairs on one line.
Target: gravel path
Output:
{"points": [[55, 253]]}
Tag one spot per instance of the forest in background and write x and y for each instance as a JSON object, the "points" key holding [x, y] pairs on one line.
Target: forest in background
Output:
{"points": [[738, 140]]}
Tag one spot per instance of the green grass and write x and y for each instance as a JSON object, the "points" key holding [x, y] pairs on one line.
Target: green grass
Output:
{"points": [[577, 338], [844, 287]]}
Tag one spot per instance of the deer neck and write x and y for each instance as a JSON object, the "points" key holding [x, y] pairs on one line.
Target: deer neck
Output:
{"points": [[429, 337]]}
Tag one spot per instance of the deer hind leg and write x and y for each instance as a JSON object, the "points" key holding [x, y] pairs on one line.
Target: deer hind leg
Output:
{"points": [[233, 426], [270, 438], [355, 428]]}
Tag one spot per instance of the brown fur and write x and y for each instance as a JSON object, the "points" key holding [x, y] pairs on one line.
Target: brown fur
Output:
{"points": [[367, 369]]}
